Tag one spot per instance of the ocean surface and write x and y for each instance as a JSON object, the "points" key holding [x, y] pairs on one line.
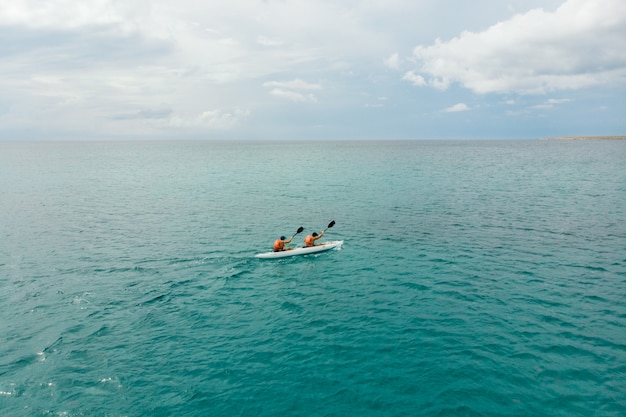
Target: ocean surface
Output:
{"points": [[477, 278]]}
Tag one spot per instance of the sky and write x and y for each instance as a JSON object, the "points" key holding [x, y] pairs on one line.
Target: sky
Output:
{"points": [[311, 69]]}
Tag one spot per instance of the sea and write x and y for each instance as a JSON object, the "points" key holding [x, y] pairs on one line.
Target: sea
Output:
{"points": [[476, 278]]}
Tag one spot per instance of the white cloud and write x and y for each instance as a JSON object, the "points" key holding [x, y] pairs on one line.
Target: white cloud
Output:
{"points": [[265, 41], [219, 119], [115, 16], [393, 61], [457, 108], [296, 84], [415, 79], [216, 119], [291, 90], [106, 66], [551, 103], [157, 113], [580, 44], [293, 96]]}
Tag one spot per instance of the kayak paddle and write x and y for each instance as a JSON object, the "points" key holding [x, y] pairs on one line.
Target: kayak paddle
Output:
{"points": [[300, 229], [331, 224]]}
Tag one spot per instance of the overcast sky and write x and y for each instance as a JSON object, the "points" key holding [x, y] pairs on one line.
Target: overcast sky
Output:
{"points": [[311, 69]]}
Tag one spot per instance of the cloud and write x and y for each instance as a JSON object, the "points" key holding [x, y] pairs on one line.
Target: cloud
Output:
{"points": [[144, 114], [101, 67], [265, 41], [415, 79], [393, 61], [293, 96], [296, 84], [216, 119], [66, 14], [457, 108], [219, 119], [291, 90], [579, 45], [80, 49], [551, 103]]}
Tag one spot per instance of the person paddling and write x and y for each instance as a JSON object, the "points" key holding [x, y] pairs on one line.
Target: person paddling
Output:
{"points": [[310, 239], [279, 244]]}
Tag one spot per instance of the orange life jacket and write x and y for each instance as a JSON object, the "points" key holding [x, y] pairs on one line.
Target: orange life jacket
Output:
{"points": [[308, 241], [279, 245]]}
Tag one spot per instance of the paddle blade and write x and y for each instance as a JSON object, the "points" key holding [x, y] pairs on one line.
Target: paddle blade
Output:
{"points": [[300, 229], [331, 224]]}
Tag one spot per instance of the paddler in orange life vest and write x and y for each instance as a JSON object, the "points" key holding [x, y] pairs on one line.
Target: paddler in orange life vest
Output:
{"points": [[310, 239], [279, 244]]}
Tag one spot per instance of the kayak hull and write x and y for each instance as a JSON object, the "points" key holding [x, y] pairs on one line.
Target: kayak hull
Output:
{"points": [[322, 247]]}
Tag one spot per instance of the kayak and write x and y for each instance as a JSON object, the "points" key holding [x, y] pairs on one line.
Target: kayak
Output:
{"points": [[301, 251]]}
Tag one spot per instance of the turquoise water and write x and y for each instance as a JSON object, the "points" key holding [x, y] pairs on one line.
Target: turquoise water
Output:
{"points": [[476, 279]]}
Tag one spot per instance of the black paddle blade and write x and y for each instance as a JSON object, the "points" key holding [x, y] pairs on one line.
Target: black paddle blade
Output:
{"points": [[300, 229], [331, 224]]}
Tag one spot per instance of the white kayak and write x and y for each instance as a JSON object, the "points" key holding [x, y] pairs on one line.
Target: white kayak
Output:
{"points": [[321, 247]]}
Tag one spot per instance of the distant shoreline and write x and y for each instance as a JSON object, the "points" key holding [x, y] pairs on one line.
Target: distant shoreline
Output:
{"points": [[588, 138]]}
